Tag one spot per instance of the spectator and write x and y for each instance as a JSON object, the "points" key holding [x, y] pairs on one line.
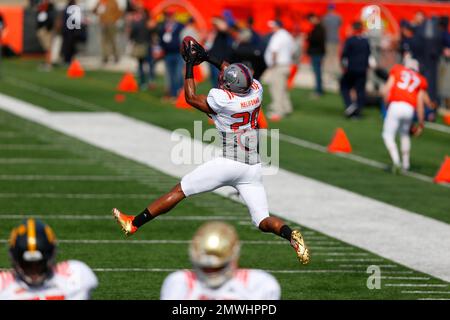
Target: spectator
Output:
{"points": [[316, 50], [190, 30], [278, 58], [170, 43], [430, 37], [71, 34], [245, 51], [355, 63], [45, 19], [109, 13], [444, 69], [332, 22], [35, 275], [220, 47], [408, 43], [140, 39], [214, 253]]}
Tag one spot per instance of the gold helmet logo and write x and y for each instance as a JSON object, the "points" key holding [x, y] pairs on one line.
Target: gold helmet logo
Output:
{"points": [[214, 252]]}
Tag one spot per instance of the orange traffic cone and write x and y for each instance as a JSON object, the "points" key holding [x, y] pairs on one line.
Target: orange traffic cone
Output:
{"points": [[128, 83], [181, 101], [75, 70], [119, 98], [262, 121], [446, 119], [198, 74], [340, 142], [443, 175], [293, 72]]}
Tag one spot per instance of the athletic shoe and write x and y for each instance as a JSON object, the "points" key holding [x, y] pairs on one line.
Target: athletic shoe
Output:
{"points": [[299, 246], [125, 222]]}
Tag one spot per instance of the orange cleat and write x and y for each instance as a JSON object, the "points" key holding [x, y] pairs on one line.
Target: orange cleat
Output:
{"points": [[125, 222]]}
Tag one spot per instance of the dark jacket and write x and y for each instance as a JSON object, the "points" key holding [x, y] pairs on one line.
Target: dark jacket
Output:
{"points": [[355, 55], [173, 45], [316, 40]]}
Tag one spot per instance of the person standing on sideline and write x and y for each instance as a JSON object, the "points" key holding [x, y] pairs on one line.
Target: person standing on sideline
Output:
{"points": [[316, 51], [219, 46], [332, 22], [355, 63], [170, 43], [45, 25], [278, 57], [109, 13]]}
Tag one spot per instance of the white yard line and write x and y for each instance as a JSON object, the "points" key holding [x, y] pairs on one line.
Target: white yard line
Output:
{"points": [[366, 265], [46, 177], [109, 217], [75, 195], [372, 225], [405, 278], [415, 285], [425, 292], [46, 161]]}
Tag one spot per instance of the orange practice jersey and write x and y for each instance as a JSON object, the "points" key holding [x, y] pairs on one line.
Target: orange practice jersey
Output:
{"points": [[407, 85]]}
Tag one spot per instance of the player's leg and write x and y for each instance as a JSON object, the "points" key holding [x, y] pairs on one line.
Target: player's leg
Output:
{"points": [[390, 127], [254, 196], [209, 176], [405, 139]]}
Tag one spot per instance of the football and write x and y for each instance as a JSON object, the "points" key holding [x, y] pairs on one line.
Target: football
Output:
{"points": [[187, 44]]}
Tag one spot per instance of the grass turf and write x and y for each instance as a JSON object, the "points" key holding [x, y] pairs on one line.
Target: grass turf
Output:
{"points": [[313, 120], [337, 271]]}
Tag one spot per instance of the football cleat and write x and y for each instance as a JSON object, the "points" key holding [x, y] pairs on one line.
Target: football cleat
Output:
{"points": [[299, 246], [125, 222]]}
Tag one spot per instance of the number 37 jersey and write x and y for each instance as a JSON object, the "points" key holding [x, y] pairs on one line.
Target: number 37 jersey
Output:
{"points": [[236, 119], [407, 85]]}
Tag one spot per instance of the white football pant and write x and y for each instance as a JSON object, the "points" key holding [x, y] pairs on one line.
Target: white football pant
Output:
{"points": [[219, 172], [398, 119]]}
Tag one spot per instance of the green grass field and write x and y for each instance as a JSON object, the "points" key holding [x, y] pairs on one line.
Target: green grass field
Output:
{"points": [[73, 187]]}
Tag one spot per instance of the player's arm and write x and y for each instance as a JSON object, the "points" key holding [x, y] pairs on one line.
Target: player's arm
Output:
{"points": [[421, 98], [198, 101], [387, 87]]}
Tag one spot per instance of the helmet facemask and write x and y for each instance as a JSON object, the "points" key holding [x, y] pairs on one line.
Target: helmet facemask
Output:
{"points": [[34, 267], [214, 253]]}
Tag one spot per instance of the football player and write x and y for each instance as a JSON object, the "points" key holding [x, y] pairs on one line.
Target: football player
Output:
{"points": [[214, 253], [234, 108], [405, 93], [35, 274]]}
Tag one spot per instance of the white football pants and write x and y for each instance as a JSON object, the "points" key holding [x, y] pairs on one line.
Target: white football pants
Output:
{"points": [[398, 120], [219, 172]]}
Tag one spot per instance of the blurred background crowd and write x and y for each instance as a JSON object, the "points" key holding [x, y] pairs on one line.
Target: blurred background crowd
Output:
{"points": [[354, 61]]}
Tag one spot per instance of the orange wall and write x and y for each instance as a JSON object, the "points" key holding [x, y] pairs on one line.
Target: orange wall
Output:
{"points": [[292, 12], [12, 35]]}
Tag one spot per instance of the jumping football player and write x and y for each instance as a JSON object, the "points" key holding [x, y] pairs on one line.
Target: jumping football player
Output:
{"points": [[214, 253], [405, 92], [234, 108], [35, 274]]}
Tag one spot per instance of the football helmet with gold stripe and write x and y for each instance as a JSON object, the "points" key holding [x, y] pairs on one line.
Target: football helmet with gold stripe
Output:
{"points": [[32, 247]]}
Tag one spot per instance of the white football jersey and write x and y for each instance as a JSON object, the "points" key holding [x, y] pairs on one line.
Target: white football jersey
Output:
{"points": [[246, 284], [72, 280], [236, 118]]}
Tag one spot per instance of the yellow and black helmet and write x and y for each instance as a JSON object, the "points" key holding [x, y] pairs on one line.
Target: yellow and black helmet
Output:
{"points": [[32, 247]]}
